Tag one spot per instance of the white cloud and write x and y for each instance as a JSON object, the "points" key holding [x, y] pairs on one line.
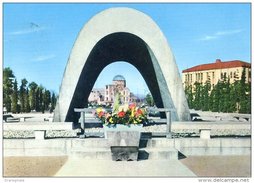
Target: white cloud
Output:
{"points": [[206, 38], [220, 34], [44, 57], [29, 30]]}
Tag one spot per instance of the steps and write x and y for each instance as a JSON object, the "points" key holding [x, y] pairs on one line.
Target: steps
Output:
{"points": [[150, 149], [91, 153], [158, 153]]}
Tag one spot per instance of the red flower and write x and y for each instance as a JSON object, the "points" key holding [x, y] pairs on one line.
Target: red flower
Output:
{"points": [[132, 106], [139, 112], [121, 114], [101, 113]]}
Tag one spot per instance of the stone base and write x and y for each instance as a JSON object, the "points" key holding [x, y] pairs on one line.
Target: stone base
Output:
{"points": [[124, 153], [123, 138], [40, 134], [205, 133]]}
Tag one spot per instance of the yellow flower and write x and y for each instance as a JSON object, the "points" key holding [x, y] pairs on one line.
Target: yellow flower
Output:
{"points": [[132, 112], [98, 110], [123, 108], [111, 120]]}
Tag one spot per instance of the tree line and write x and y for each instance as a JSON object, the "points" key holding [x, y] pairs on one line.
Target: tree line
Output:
{"points": [[223, 97], [27, 97]]}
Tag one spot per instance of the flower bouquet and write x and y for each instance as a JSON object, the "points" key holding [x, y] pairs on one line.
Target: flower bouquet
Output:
{"points": [[125, 115]]}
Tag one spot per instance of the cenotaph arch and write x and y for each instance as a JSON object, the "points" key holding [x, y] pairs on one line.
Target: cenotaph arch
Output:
{"points": [[121, 34]]}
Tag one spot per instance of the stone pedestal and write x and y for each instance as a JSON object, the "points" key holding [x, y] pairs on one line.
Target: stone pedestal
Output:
{"points": [[22, 119], [40, 134], [205, 133], [123, 138], [123, 141]]}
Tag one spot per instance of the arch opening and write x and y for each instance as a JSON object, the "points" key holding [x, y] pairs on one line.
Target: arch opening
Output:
{"points": [[115, 71]]}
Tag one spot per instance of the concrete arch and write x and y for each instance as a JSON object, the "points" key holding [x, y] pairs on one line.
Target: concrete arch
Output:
{"points": [[128, 35]]}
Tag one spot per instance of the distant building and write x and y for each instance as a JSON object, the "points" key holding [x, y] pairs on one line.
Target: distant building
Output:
{"points": [[96, 96], [213, 72], [106, 96]]}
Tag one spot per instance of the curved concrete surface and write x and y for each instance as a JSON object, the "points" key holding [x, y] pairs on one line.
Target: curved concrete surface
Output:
{"points": [[121, 34]]}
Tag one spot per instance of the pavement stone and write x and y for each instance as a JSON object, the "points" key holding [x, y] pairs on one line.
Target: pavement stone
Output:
{"points": [[77, 167]]}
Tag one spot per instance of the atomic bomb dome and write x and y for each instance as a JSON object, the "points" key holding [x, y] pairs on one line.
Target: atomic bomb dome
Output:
{"points": [[119, 78]]}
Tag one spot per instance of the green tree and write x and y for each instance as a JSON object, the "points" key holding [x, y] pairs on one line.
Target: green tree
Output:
{"points": [[22, 94], [14, 98], [237, 89], [205, 96], [216, 98], [27, 102], [25, 98], [227, 97], [46, 99], [242, 93], [8, 77], [248, 98], [211, 99], [149, 100], [32, 95], [232, 98], [197, 96], [53, 102], [223, 103], [224, 97], [39, 106], [189, 96]]}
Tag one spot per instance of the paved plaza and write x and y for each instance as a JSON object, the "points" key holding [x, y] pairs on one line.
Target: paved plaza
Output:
{"points": [[204, 166], [192, 165]]}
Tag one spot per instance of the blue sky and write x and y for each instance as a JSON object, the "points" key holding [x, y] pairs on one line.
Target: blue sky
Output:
{"points": [[38, 38]]}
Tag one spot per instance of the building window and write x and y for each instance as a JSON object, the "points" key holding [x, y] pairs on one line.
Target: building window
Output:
{"points": [[225, 75], [231, 75], [249, 73], [221, 75], [201, 76], [235, 75]]}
